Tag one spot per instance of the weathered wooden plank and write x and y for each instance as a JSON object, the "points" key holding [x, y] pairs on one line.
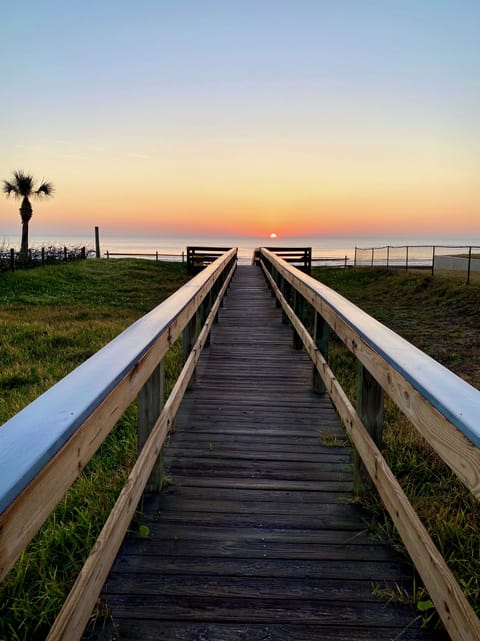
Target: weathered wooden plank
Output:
{"points": [[198, 608], [199, 631], [152, 502], [324, 485], [241, 587], [370, 570], [346, 552]]}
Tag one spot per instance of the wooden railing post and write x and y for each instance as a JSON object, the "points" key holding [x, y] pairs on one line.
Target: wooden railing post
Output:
{"points": [[189, 337], [299, 309], [321, 333], [150, 403], [370, 411]]}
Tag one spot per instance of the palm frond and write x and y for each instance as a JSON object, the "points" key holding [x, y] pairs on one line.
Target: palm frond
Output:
{"points": [[45, 189], [9, 188]]}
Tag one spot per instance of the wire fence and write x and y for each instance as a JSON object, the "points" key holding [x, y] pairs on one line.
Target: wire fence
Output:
{"points": [[436, 258], [11, 259]]}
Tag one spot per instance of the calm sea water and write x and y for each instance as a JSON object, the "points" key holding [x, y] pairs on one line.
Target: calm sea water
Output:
{"points": [[172, 248]]}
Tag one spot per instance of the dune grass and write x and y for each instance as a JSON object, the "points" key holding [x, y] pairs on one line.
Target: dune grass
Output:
{"points": [[51, 320], [440, 316]]}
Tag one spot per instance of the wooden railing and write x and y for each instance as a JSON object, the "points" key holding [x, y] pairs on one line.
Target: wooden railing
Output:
{"points": [[199, 257], [44, 448], [442, 407], [301, 257]]}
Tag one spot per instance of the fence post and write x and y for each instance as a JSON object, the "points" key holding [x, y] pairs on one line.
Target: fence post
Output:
{"points": [[433, 259], [469, 264], [388, 256], [83, 253], [373, 254], [150, 403], [12, 259], [370, 411], [355, 258], [406, 259], [97, 243], [321, 333]]}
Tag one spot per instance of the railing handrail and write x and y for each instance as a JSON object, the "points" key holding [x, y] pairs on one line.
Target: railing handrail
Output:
{"points": [[455, 399], [382, 355], [25, 449]]}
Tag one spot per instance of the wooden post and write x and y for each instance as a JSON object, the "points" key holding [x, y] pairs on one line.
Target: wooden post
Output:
{"points": [[406, 260], [97, 243], [388, 255], [321, 333], [370, 411], [65, 255], [433, 260], [286, 291], [355, 257], [204, 311], [12, 259], [150, 403], [189, 337], [469, 264], [299, 309], [83, 253]]}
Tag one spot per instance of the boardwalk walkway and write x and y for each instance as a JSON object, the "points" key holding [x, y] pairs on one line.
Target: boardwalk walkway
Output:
{"points": [[255, 538]]}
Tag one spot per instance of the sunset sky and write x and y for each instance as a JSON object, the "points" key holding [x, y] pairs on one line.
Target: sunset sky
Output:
{"points": [[332, 117]]}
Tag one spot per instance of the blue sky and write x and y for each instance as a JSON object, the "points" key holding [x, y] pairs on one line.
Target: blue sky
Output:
{"points": [[270, 110]]}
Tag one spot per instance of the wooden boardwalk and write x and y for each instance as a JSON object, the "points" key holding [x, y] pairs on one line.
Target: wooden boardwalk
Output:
{"points": [[255, 538]]}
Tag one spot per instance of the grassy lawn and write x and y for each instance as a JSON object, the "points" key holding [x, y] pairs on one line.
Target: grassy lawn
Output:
{"points": [[440, 315], [51, 320]]}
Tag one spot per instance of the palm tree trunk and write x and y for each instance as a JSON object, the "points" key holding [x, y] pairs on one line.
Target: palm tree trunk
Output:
{"points": [[24, 245], [25, 214]]}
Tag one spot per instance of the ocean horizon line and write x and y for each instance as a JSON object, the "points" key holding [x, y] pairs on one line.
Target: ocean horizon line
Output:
{"points": [[322, 246]]}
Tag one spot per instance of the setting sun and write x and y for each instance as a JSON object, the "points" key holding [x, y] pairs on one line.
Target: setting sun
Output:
{"points": [[273, 235]]}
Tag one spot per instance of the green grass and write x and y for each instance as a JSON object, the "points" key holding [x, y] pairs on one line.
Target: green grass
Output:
{"points": [[51, 320], [440, 316]]}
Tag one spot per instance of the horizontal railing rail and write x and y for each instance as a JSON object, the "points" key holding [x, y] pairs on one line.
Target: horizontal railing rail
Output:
{"points": [[442, 407], [44, 448], [157, 255]]}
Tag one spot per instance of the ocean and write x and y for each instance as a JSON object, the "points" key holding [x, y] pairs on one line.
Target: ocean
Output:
{"points": [[333, 250]]}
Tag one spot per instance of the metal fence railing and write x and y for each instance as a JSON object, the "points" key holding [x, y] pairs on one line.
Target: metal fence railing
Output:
{"points": [[448, 258]]}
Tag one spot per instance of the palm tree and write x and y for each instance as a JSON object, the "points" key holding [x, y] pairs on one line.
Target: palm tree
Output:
{"points": [[23, 186]]}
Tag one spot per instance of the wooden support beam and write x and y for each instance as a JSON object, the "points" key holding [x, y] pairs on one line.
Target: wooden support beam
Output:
{"points": [[321, 335], [150, 403], [370, 411]]}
